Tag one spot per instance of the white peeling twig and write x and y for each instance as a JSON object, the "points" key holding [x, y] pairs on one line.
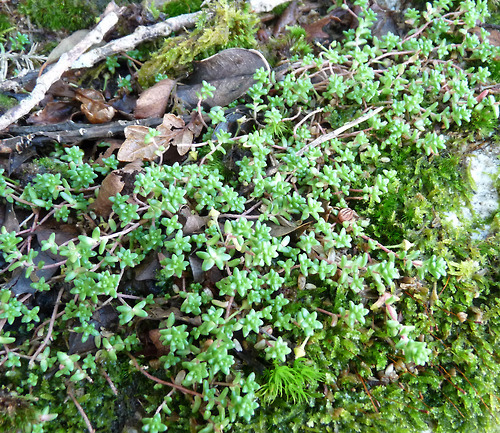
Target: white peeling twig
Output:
{"points": [[141, 34], [67, 59], [338, 131]]}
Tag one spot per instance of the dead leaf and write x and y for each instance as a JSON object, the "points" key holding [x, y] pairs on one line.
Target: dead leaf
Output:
{"points": [[124, 103], [111, 185], [283, 230], [230, 71], [94, 106], [287, 18], [143, 143], [153, 101], [53, 112], [388, 21], [114, 144], [67, 44], [147, 269], [104, 318], [19, 284], [162, 349], [98, 112], [10, 221], [195, 264], [191, 223], [315, 30]]}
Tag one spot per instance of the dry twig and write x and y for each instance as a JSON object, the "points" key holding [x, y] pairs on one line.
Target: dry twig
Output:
{"points": [[55, 73], [338, 131], [141, 34]]}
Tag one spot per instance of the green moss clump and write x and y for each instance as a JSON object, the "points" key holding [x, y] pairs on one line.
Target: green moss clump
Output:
{"points": [[17, 414], [5, 24], [6, 103], [70, 15], [230, 26], [178, 7]]}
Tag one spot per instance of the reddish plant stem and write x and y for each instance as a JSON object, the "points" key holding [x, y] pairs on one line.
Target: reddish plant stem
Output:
{"points": [[80, 409], [163, 382], [49, 331]]}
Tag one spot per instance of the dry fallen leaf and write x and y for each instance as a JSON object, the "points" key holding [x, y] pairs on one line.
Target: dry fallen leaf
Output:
{"points": [[231, 71], [143, 143], [111, 185], [94, 106], [153, 101], [53, 112]]}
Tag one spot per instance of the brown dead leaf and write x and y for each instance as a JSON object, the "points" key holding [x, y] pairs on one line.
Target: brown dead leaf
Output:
{"points": [[53, 112], [315, 31], [143, 143], [154, 335], [287, 18], [153, 101], [230, 71], [98, 112], [290, 227], [191, 223], [114, 144], [111, 185], [94, 106]]}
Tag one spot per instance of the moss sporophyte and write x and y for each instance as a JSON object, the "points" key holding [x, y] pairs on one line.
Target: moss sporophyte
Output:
{"points": [[311, 284]]}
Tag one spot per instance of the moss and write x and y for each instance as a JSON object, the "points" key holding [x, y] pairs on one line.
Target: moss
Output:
{"points": [[6, 102], [311, 295], [230, 26], [17, 413], [69, 15], [174, 8], [5, 24]]}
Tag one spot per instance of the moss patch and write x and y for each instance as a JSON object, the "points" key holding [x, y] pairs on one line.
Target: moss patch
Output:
{"points": [[229, 26]]}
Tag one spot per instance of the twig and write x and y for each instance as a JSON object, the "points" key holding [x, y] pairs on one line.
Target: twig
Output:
{"points": [[64, 63], [80, 409], [454, 405], [338, 131], [108, 379], [163, 382], [368, 392], [49, 331], [141, 34], [474, 388]]}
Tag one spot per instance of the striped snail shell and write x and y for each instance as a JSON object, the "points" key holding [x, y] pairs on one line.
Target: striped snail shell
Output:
{"points": [[345, 214]]}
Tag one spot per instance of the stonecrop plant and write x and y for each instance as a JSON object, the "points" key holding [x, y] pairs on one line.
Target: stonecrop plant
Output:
{"points": [[311, 284]]}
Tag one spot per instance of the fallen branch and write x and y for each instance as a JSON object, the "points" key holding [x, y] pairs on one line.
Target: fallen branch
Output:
{"points": [[55, 73], [141, 34], [68, 132], [338, 131]]}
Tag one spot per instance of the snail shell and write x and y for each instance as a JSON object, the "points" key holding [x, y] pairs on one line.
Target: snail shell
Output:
{"points": [[345, 214]]}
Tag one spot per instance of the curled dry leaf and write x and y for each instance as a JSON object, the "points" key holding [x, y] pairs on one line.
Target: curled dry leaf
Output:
{"points": [[53, 112], [143, 143], [94, 106], [153, 101], [111, 185]]}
